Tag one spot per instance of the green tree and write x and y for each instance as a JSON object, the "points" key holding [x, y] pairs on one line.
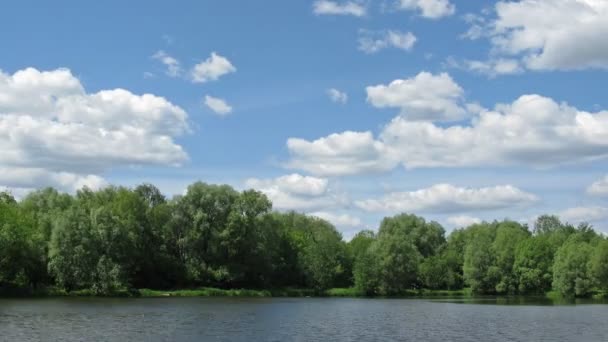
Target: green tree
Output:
{"points": [[322, 255], [453, 255], [598, 264], [533, 265], [435, 273], [199, 218], [571, 276], [44, 207], [479, 268], [242, 240], [360, 243], [73, 250], [396, 254], [428, 237], [19, 259], [366, 271], [398, 263], [509, 235]]}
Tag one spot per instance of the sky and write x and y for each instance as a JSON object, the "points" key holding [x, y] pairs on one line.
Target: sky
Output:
{"points": [[456, 110]]}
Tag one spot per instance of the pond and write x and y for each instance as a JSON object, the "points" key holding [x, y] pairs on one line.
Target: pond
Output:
{"points": [[298, 319]]}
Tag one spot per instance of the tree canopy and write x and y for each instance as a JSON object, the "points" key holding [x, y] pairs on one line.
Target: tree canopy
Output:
{"points": [[120, 238]]}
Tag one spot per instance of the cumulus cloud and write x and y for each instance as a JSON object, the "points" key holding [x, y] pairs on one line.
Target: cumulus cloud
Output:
{"points": [[297, 192], [174, 68], [599, 188], [341, 154], [446, 198], [52, 132], [217, 105], [548, 34], [533, 131], [423, 97], [211, 69], [584, 214], [30, 178], [461, 221], [325, 7], [337, 96], [339, 220], [374, 41], [432, 9], [294, 183]]}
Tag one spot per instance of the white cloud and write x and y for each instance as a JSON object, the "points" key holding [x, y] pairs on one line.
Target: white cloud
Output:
{"points": [[217, 105], [340, 154], [461, 221], [294, 183], [374, 41], [599, 188], [444, 198], [423, 97], [493, 67], [31, 178], [584, 214], [52, 132], [532, 131], [297, 192], [211, 69], [549, 34], [339, 220], [496, 67], [174, 68], [16, 193], [337, 96], [325, 7], [432, 9]]}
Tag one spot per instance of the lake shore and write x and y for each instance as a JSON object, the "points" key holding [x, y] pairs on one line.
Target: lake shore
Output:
{"points": [[465, 294], [250, 293], [218, 292]]}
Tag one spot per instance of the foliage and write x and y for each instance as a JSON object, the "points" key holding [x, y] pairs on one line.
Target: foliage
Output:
{"points": [[480, 269], [217, 240], [598, 264], [571, 276], [533, 265]]}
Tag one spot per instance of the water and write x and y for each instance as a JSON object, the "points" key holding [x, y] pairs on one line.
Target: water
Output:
{"points": [[305, 319]]}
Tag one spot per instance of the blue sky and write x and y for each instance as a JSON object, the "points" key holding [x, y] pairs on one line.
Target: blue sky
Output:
{"points": [[455, 110]]}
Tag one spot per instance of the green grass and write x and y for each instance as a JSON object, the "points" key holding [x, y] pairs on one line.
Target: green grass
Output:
{"points": [[293, 292], [553, 295], [466, 292], [344, 292], [205, 292], [282, 292], [423, 293]]}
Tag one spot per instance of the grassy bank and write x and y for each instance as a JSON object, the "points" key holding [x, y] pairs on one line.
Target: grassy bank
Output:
{"points": [[350, 292], [335, 292], [216, 292], [422, 293]]}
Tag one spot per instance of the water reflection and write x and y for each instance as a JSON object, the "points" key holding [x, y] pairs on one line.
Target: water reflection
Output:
{"points": [[521, 300], [488, 319]]}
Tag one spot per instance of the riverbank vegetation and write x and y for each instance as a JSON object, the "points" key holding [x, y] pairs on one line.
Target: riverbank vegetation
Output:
{"points": [[215, 240]]}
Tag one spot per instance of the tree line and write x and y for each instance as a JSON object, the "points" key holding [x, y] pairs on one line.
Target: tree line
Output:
{"points": [[120, 238]]}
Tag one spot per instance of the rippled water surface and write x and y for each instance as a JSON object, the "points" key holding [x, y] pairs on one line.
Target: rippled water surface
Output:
{"points": [[306, 319]]}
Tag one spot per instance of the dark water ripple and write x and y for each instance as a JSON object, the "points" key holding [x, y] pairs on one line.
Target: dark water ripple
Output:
{"points": [[310, 319]]}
